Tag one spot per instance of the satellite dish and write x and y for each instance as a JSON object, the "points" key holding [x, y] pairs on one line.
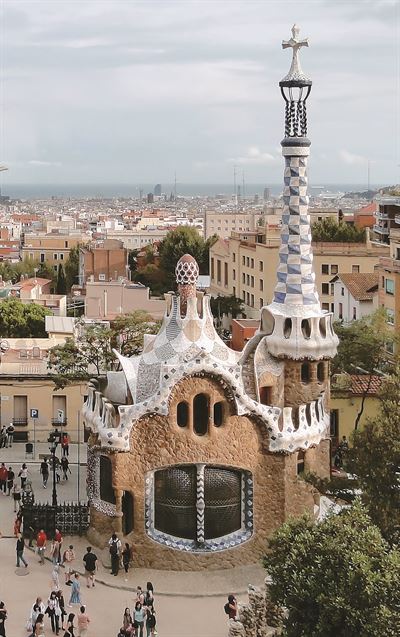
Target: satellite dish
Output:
{"points": [[4, 346]]}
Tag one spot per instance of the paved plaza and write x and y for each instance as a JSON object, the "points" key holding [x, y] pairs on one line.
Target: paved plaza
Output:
{"points": [[186, 603]]}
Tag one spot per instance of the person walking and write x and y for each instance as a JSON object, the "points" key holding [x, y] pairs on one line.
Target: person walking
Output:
{"points": [[75, 591], [150, 622], [37, 609], [10, 480], [3, 478], [149, 596], [23, 474], [54, 612], [65, 467], [44, 470], [61, 603], [3, 436], [10, 435], [83, 622], [127, 622], [3, 617], [139, 617], [139, 595], [126, 558], [55, 579], [115, 546], [17, 524], [20, 547], [90, 562], [68, 560], [55, 551], [16, 497], [65, 444], [59, 538], [41, 540], [70, 629]]}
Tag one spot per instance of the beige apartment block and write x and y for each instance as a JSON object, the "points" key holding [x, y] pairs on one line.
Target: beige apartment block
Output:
{"points": [[246, 267], [28, 397], [137, 238], [389, 286], [110, 299], [52, 248]]}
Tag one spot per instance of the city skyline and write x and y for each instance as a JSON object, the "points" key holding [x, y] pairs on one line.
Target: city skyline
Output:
{"points": [[124, 92]]}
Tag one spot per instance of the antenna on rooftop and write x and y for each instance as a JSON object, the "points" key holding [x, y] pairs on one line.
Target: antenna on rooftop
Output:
{"points": [[243, 191], [235, 187]]}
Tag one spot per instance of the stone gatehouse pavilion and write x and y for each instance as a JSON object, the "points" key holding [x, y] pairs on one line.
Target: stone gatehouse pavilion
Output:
{"points": [[195, 449]]}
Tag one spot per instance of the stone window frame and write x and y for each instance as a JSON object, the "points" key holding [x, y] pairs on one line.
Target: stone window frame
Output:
{"points": [[93, 484], [201, 545]]}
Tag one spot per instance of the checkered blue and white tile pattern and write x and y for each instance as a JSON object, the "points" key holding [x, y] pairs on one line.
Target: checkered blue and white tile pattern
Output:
{"points": [[296, 278]]}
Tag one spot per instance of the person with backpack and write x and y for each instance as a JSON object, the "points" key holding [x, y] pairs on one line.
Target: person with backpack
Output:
{"points": [[10, 435], [230, 607], [115, 551]]}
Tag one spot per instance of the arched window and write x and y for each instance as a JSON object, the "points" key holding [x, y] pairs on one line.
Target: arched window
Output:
{"points": [[301, 456], [200, 414], [306, 328], [287, 327], [106, 488], [218, 413], [182, 414], [321, 372], [182, 492], [305, 373]]}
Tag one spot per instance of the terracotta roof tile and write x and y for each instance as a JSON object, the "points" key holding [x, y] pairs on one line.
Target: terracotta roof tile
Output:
{"points": [[361, 383], [362, 286]]}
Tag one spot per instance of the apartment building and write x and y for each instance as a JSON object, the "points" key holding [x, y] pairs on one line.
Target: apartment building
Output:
{"points": [[389, 285], [245, 265], [102, 260], [35, 290], [224, 223], [137, 238], [28, 397], [53, 247], [387, 218], [110, 299]]}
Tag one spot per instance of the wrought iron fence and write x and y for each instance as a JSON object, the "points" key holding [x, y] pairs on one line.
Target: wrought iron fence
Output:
{"points": [[71, 518]]}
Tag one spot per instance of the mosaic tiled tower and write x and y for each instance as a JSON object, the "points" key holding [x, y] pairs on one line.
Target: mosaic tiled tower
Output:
{"points": [[294, 321]]}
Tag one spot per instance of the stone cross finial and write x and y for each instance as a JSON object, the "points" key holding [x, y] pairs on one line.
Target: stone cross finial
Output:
{"points": [[295, 72]]}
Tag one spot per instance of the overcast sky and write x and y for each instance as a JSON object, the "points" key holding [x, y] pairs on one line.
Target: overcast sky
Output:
{"points": [[126, 91]]}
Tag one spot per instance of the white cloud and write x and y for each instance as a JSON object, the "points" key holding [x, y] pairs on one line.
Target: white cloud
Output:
{"points": [[253, 156], [351, 158], [39, 162]]}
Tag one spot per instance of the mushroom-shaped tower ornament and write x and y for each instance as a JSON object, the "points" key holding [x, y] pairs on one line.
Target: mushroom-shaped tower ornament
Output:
{"points": [[295, 89]]}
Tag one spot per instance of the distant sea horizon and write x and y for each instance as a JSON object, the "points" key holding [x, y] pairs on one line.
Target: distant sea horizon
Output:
{"points": [[110, 191]]}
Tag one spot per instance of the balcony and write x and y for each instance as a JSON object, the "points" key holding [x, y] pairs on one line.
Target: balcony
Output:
{"points": [[59, 422], [381, 229], [20, 422]]}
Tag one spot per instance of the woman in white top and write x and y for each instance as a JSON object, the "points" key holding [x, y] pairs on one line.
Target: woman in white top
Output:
{"points": [[23, 474], [54, 612], [37, 609]]}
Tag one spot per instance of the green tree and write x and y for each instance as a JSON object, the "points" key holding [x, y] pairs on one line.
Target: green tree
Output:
{"points": [[338, 578], [331, 231], [226, 305], [362, 350], [183, 240], [153, 277], [61, 286], [72, 268], [91, 354], [375, 458], [22, 320], [132, 260]]}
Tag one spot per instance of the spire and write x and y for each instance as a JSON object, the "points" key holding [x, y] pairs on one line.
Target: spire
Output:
{"points": [[294, 322], [295, 288]]}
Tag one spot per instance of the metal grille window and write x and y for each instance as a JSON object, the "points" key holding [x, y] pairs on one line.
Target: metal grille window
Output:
{"points": [[199, 507]]}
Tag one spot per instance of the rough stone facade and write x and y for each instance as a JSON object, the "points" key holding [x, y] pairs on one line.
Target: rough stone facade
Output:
{"points": [[158, 442]]}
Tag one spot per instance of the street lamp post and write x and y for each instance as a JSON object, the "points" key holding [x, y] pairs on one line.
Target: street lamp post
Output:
{"points": [[53, 447]]}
